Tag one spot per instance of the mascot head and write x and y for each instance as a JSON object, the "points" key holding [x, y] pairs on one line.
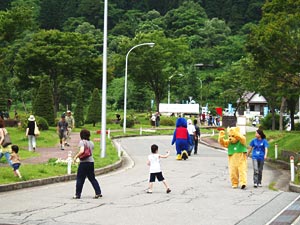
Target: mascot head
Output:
{"points": [[181, 122], [233, 134]]}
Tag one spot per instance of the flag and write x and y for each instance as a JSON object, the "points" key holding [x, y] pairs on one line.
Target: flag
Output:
{"points": [[219, 111]]}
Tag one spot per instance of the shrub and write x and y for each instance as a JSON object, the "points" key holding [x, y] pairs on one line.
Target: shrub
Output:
{"points": [[11, 123], [129, 123], [42, 123], [297, 126], [167, 122], [266, 123]]}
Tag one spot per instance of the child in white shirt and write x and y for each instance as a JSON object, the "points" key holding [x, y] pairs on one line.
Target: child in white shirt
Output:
{"points": [[155, 169]]}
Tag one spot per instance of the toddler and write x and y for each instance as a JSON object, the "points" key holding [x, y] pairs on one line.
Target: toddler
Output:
{"points": [[15, 159]]}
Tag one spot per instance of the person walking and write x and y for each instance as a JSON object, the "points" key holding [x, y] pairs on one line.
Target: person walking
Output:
{"points": [[155, 169], [153, 120], [30, 133], [62, 128], [192, 132], [71, 125], [259, 148], [197, 136], [14, 157], [4, 151], [157, 119], [86, 166]]}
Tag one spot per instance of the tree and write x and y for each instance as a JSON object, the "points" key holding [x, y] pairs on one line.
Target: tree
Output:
{"points": [[185, 20], [274, 44], [14, 22], [79, 109], [43, 102], [4, 96], [94, 110], [62, 56]]}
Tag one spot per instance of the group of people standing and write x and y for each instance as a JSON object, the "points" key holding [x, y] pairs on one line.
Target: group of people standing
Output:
{"points": [[155, 120]]}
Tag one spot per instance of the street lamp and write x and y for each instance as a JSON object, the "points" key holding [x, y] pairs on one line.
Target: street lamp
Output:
{"points": [[200, 89], [125, 88], [169, 86], [104, 83]]}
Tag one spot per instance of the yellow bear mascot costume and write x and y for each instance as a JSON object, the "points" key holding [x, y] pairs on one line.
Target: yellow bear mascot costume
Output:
{"points": [[237, 155]]}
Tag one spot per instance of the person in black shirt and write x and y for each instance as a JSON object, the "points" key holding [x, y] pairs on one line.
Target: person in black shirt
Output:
{"points": [[62, 129]]}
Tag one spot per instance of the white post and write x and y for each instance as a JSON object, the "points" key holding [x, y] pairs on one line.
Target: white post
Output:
{"points": [[141, 130], [108, 133], [276, 151], [69, 162], [213, 132], [292, 168]]}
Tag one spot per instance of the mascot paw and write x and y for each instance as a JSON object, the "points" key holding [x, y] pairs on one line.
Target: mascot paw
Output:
{"points": [[178, 157], [222, 133], [184, 155]]}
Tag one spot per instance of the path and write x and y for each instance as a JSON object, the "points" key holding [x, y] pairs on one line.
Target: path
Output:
{"points": [[54, 152]]}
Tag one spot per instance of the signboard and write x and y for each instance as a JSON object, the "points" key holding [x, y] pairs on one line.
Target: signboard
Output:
{"points": [[179, 108]]}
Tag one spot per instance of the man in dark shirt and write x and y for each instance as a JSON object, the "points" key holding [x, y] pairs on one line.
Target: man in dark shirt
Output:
{"points": [[62, 129]]}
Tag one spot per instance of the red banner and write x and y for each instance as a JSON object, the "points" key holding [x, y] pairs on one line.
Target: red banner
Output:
{"points": [[219, 111]]}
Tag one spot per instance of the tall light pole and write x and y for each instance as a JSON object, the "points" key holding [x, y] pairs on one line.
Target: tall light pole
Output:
{"points": [[169, 86], [125, 88], [104, 80], [201, 90]]}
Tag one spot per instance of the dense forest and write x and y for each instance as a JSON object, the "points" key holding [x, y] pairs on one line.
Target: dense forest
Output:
{"points": [[221, 47]]}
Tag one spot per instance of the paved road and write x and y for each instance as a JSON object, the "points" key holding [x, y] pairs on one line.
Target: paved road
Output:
{"points": [[201, 194]]}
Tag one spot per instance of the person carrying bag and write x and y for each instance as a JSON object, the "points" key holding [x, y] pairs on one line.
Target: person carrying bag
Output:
{"points": [[5, 148]]}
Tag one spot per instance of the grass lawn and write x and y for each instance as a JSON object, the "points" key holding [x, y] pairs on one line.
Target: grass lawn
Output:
{"points": [[38, 171]]}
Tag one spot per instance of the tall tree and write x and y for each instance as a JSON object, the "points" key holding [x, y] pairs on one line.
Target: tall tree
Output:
{"points": [[43, 102], [60, 56], [274, 44], [79, 109], [186, 20], [94, 110]]}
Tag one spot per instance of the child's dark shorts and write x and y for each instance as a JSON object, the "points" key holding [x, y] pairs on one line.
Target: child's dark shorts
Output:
{"points": [[159, 177], [16, 166]]}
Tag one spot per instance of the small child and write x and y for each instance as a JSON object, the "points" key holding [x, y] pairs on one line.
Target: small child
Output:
{"points": [[15, 159], [155, 170]]}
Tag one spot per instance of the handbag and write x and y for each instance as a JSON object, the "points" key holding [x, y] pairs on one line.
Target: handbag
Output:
{"points": [[87, 151], [7, 140], [36, 130]]}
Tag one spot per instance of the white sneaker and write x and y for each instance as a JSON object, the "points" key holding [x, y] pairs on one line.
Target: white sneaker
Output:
{"points": [[255, 185], [259, 185]]}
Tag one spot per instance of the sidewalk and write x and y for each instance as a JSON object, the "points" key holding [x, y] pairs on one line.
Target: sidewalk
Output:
{"points": [[54, 152]]}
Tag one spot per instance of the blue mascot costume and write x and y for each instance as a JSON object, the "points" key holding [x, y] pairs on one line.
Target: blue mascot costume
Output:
{"points": [[182, 139]]}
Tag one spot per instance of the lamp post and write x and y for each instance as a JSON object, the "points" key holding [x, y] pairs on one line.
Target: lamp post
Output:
{"points": [[125, 88], [104, 83], [169, 86], [200, 89]]}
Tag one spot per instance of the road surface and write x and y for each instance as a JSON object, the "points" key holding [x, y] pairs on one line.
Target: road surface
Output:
{"points": [[201, 194]]}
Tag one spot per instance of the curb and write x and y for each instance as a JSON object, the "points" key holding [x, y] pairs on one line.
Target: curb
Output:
{"points": [[56, 179]]}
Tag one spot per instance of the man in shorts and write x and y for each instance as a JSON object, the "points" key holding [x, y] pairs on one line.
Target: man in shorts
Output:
{"points": [[62, 129]]}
